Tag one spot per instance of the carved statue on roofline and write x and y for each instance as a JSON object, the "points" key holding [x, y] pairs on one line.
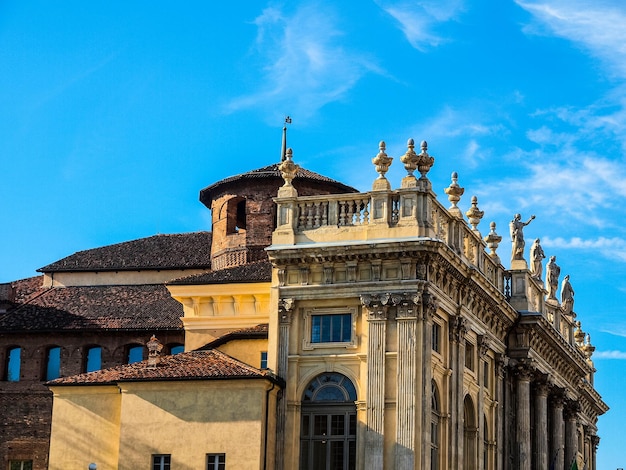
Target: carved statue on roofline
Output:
{"points": [[517, 236]]}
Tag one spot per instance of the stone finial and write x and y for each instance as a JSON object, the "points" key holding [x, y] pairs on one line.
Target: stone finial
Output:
{"points": [[579, 335], [288, 170], [410, 158], [588, 348], [425, 161], [154, 351], [454, 192], [382, 162], [474, 215], [493, 240]]}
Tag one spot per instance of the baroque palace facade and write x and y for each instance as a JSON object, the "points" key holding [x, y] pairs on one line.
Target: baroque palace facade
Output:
{"points": [[324, 328]]}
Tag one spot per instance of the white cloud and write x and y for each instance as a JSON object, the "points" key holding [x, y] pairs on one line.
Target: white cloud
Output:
{"points": [[609, 355], [594, 25], [417, 20], [304, 65]]}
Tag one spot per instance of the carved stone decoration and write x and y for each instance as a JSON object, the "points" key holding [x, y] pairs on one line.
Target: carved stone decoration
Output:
{"points": [[154, 352], [304, 276], [421, 272], [281, 276], [407, 304], [288, 170], [377, 305], [457, 328], [382, 162], [474, 215], [328, 274], [454, 192], [431, 304], [425, 161], [552, 277], [483, 346], [410, 159], [285, 308], [517, 237], [567, 296]]}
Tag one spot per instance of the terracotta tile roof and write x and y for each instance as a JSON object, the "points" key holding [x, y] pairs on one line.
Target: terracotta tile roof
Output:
{"points": [[99, 307], [173, 251], [272, 172], [193, 365], [260, 271], [254, 332]]}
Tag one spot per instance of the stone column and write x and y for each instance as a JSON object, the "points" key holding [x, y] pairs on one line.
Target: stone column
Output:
{"points": [[429, 308], [501, 364], [557, 449], [285, 308], [483, 348], [408, 344], [571, 434], [524, 455], [457, 364], [541, 425], [376, 307], [595, 441]]}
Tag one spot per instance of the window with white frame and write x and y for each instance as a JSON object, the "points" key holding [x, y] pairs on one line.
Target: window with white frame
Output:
{"points": [[329, 327], [263, 360], [216, 461], [20, 465], [161, 461]]}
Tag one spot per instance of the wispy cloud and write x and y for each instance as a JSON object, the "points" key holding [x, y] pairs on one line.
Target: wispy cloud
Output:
{"points": [[418, 20], [595, 26], [304, 65], [609, 355]]}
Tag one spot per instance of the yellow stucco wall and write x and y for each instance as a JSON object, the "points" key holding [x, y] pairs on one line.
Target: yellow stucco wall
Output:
{"points": [[86, 424], [121, 428], [248, 350], [190, 419]]}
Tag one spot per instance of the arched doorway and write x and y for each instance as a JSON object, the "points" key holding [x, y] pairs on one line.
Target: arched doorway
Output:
{"points": [[328, 424]]}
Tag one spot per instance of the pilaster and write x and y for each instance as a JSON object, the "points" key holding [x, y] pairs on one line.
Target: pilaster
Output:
{"points": [[376, 307]]}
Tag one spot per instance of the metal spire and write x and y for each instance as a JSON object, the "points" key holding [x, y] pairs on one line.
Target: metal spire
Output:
{"points": [[283, 151]]}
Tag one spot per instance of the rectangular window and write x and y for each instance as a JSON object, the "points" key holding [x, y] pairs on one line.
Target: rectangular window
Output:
{"points": [[161, 461], [436, 346], [53, 363], [263, 360], [331, 328], [486, 375], [20, 465], [216, 461], [13, 364], [469, 356]]}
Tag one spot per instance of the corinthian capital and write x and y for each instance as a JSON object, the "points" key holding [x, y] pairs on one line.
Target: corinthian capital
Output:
{"points": [[285, 308]]}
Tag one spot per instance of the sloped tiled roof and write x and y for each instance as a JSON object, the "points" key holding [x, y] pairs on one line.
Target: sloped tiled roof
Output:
{"points": [[271, 172], [193, 365], [260, 271], [99, 307], [254, 332], [172, 251]]}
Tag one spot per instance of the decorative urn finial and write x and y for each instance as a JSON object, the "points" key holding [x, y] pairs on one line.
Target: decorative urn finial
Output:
{"points": [[410, 158], [425, 161], [382, 162], [493, 240], [474, 215], [454, 192], [288, 170]]}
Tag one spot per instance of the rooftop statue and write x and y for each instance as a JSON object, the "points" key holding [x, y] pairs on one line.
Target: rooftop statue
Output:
{"points": [[567, 296], [552, 277], [536, 257], [517, 236]]}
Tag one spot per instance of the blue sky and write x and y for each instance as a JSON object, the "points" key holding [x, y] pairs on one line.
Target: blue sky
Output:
{"points": [[114, 115]]}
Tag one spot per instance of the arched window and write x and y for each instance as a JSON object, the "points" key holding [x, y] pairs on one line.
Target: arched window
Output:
{"points": [[134, 353], [469, 434], [53, 363], [13, 365], [236, 215], [434, 428], [176, 348], [93, 358], [328, 424]]}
